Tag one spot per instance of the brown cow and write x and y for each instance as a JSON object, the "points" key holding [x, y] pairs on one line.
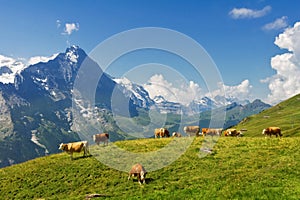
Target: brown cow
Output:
{"points": [[232, 132], [75, 147], [101, 137], [192, 130], [138, 171], [272, 131], [161, 132], [211, 131], [176, 134]]}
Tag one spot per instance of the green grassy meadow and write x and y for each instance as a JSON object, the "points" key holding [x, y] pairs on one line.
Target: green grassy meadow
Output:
{"points": [[238, 168]]}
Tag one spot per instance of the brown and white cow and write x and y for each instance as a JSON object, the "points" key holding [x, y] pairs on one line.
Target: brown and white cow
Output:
{"points": [[233, 132], [138, 171], [75, 147], [192, 130], [272, 131], [211, 131], [101, 137], [176, 134], [161, 132]]}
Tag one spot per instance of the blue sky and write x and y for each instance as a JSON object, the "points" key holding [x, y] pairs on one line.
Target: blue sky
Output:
{"points": [[238, 35]]}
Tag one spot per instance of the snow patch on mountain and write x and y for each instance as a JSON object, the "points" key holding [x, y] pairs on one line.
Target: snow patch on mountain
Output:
{"points": [[72, 54]]}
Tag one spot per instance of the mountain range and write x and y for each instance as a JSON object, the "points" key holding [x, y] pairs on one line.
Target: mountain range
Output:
{"points": [[37, 106]]}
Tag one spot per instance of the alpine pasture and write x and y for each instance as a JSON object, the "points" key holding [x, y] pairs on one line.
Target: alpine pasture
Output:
{"points": [[237, 168]]}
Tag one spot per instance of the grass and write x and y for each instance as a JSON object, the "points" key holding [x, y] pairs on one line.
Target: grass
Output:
{"points": [[238, 168]]}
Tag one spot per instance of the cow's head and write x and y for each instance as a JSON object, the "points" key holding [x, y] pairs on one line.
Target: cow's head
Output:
{"points": [[264, 131], [143, 175], [61, 146]]}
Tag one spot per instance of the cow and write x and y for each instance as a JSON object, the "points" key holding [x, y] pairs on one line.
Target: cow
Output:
{"points": [[161, 132], [232, 132], [211, 131], [176, 134], [192, 130], [101, 137], [138, 171], [272, 131], [75, 147]]}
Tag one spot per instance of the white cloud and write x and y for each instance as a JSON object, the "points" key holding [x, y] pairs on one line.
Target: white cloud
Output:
{"points": [[240, 13], [58, 23], [185, 93], [37, 59], [285, 83], [277, 24], [241, 91], [70, 28], [157, 85]]}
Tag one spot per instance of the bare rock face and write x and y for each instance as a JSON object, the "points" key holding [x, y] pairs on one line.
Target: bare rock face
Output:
{"points": [[6, 125]]}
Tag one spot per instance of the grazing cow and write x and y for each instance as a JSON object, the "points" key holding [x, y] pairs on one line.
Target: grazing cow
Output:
{"points": [[232, 132], [161, 132], [211, 131], [192, 130], [75, 147], [176, 134], [138, 171], [272, 131], [101, 137]]}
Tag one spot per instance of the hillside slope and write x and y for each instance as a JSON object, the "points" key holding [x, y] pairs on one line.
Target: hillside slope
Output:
{"points": [[286, 115], [238, 168]]}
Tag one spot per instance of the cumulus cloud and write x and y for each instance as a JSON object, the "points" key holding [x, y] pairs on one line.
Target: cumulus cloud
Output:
{"points": [[241, 91], [70, 28], [185, 93], [157, 85], [37, 59], [241, 13], [285, 83], [277, 24]]}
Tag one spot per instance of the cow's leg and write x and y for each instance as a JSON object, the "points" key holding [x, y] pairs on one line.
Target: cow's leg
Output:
{"points": [[129, 177], [85, 152]]}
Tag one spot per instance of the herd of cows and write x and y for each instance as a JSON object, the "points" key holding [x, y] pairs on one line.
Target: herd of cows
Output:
{"points": [[138, 170]]}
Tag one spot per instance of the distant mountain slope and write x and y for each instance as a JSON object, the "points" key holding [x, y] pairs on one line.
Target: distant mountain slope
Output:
{"points": [[286, 115], [235, 112]]}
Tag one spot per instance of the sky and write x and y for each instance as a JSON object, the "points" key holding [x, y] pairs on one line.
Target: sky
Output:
{"points": [[254, 44]]}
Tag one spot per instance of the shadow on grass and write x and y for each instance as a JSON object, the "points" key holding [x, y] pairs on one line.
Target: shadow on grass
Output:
{"points": [[147, 180], [82, 157]]}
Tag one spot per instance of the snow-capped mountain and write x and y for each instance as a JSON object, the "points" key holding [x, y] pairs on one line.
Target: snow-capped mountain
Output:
{"points": [[164, 106], [135, 92], [9, 67]]}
